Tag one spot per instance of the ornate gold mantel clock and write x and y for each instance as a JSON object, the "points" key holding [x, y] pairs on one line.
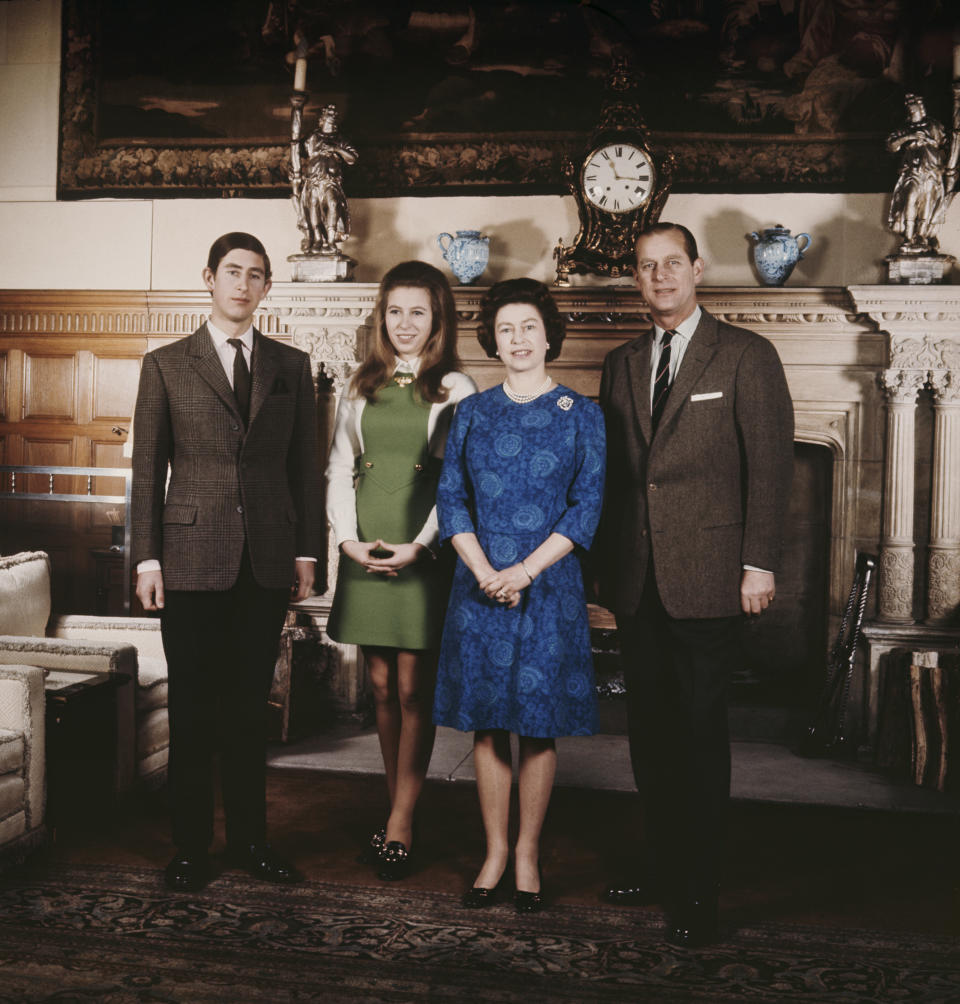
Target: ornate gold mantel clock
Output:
{"points": [[619, 186]]}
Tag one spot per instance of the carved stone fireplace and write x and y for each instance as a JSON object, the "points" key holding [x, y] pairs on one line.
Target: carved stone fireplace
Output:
{"points": [[858, 360], [874, 372]]}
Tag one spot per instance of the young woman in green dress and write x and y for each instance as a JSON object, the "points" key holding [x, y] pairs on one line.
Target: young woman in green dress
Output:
{"points": [[388, 443]]}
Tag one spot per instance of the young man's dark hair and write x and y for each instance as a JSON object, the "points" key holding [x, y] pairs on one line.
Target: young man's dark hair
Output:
{"points": [[222, 246]]}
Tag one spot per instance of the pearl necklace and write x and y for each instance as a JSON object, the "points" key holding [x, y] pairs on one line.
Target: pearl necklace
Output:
{"points": [[526, 398]]}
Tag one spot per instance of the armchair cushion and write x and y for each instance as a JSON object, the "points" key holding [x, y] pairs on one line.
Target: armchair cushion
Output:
{"points": [[24, 593], [11, 752], [69, 656], [22, 727], [152, 693]]}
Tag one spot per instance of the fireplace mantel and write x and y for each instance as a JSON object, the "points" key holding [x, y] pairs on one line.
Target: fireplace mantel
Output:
{"points": [[862, 363]]}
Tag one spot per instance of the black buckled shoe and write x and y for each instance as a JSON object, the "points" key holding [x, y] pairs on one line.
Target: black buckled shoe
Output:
{"points": [[373, 848], [187, 872], [263, 862], [395, 861]]}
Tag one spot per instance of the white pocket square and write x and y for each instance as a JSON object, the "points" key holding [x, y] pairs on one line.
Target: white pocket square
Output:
{"points": [[707, 397]]}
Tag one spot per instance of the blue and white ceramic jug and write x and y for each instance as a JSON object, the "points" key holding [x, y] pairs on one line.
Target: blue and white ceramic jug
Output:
{"points": [[467, 254], [776, 253]]}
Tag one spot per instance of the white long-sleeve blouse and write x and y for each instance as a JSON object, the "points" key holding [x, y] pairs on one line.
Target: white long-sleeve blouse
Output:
{"points": [[347, 446]]}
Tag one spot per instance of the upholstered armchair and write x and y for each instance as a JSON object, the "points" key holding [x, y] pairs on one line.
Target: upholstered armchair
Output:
{"points": [[120, 645], [22, 760]]}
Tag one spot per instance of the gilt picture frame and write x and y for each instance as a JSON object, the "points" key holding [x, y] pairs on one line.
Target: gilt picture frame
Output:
{"points": [[164, 100]]}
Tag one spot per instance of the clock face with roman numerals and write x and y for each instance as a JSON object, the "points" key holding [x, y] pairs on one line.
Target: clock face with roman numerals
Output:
{"points": [[617, 178]]}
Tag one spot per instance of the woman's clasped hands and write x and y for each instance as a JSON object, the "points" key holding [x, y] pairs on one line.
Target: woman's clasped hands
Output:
{"points": [[380, 558], [506, 585]]}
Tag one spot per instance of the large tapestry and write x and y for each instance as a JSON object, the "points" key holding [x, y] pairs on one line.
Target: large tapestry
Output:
{"points": [[172, 97]]}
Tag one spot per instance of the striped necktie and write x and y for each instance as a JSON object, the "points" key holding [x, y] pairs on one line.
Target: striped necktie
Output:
{"points": [[661, 386]]}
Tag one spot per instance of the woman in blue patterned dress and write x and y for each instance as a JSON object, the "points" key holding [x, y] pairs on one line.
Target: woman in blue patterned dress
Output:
{"points": [[520, 491]]}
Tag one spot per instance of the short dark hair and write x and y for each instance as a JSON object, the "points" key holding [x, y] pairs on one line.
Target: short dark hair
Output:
{"points": [[689, 241], [520, 291], [222, 246]]}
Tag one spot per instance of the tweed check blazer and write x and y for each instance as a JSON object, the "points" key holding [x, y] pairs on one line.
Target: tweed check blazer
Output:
{"points": [[228, 485], [709, 493]]}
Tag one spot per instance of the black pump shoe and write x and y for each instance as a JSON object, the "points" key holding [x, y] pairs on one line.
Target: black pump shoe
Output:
{"points": [[477, 897], [529, 902]]}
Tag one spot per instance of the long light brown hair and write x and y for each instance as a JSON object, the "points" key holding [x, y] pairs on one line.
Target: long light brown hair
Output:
{"points": [[439, 356]]}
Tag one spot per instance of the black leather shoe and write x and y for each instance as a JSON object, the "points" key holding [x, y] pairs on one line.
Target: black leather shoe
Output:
{"points": [[373, 848], [527, 902], [633, 891], [395, 861], [695, 923], [263, 862], [479, 896], [187, 872]]}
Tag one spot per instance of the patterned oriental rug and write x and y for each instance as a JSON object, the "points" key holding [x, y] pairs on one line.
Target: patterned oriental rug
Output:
{"points": [[86, 933]]}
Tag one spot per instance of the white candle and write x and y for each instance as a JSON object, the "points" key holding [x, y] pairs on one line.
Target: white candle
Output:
{"points": [[300, 75], [956, 62]]}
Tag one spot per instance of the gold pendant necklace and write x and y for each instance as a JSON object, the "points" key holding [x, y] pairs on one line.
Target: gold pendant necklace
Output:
{"points": [[403, 379]]}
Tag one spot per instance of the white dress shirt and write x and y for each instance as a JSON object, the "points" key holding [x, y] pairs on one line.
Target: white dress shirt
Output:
{"points": [[227, 352], [678, 346]]}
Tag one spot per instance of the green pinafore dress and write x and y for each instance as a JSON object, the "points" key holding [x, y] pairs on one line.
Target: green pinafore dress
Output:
{"points": [[396, 481]]}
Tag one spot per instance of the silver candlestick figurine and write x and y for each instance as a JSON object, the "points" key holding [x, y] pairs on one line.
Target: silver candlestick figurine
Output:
{"points": [[918, 205], [316, 180]]}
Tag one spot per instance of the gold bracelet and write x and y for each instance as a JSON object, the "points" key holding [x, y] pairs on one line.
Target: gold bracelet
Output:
{"points": [[529, 576]]}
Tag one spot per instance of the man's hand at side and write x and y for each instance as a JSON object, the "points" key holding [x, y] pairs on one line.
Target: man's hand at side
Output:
{"points": [[306, 571], [757, 591], [150, 590]]}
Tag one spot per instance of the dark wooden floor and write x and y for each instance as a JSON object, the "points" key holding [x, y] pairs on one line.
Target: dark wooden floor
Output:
{"points": [[870, 869]]}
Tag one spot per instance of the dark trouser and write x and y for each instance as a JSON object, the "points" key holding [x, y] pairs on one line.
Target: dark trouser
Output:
{"points": [[677, 674], [221, 648]]}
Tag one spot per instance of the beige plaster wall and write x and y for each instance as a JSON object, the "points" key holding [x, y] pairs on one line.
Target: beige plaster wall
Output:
{"points": [[162, 244]]}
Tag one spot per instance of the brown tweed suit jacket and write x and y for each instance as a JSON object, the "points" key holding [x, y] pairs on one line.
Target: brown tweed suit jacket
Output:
{"points": [[709, 493], [227, 485]]}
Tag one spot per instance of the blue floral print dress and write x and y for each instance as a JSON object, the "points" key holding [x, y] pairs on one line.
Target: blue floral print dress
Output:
{"points": [[513, 474]]}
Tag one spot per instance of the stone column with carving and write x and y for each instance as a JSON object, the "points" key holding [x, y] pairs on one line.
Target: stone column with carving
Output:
{"points": [[895, 602], [943, 570], [329, 322]]}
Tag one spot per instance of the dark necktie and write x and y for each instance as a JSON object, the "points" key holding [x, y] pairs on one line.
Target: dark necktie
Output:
{"points": [[661, 386], [241, 379]]}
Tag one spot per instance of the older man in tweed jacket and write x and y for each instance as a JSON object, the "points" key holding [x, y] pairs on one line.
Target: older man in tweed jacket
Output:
{"points": [[221, 549], [700, 460]]}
